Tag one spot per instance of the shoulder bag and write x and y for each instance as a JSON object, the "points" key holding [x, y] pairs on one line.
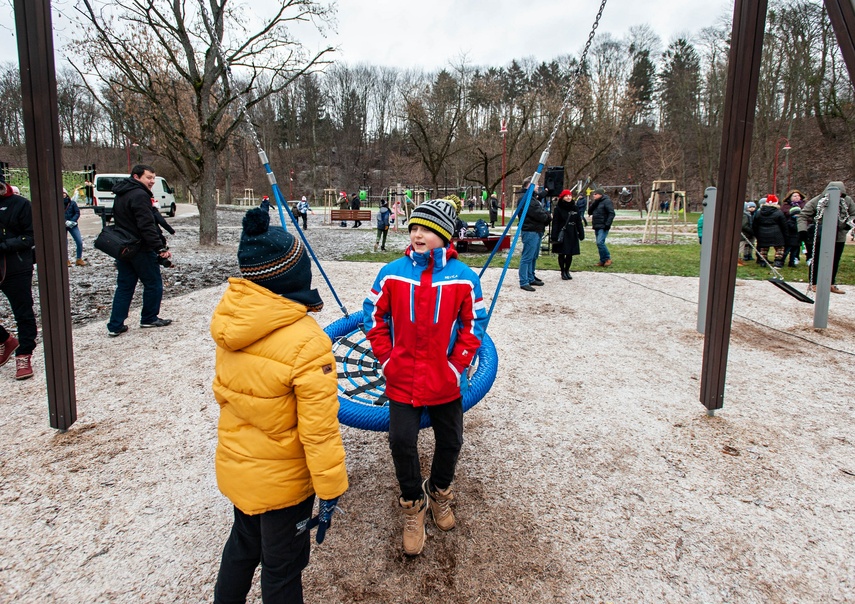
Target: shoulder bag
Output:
{"points": [[117, 242]]}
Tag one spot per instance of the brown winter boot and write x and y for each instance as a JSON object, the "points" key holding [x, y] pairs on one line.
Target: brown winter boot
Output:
{"points": [[414, 525], [80, 262], [440, 506], [23, 367]]}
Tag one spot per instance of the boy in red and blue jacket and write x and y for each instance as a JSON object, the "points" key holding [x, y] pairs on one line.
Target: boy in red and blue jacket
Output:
{"points": [[425, 318]]}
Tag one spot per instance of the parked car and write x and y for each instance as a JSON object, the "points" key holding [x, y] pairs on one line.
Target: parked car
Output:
{"points": [[102, 202]]}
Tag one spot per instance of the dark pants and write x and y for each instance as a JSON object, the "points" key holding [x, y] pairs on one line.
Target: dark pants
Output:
{"points": [[142, 267], [564, 262], [447, 423], [791, 251], [813, 270], [19, 291], [381, 237], [270, 539]]}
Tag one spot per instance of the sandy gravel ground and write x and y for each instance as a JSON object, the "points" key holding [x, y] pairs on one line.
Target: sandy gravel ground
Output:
{"points": [[590, 472]]}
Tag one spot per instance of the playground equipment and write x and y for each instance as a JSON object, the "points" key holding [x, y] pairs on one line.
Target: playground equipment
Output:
{"points": [[664, 198]]}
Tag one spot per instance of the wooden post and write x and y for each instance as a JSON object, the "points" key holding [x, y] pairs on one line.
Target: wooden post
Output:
{"points": [[743, 72], [841, 13], [44, 158]]}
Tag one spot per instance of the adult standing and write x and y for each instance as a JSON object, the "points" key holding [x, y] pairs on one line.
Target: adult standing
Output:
{"points": [[566, 232], [494, 209], [132, 213], [602, 213], [582, 208], [355, 204], [343, 204], [536, 219], [793, 198], [747, 233], [810, 219], [72, 216], [16, 278], [793, 244], [770, 229]]}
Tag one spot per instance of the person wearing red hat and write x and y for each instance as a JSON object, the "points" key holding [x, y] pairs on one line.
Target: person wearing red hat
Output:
{"points": [[770, 229], [566, 232]]}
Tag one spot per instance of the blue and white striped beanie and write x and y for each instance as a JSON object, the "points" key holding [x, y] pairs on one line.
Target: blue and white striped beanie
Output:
{"points": [[275, 259]]}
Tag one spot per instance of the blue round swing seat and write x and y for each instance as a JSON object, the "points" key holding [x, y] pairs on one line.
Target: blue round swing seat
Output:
{"points": [[362, 402]]}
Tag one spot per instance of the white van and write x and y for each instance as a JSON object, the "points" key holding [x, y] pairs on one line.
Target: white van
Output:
{"points": [[161, 192]]}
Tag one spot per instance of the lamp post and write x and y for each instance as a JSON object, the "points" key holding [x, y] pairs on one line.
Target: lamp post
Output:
{"points": [[786, 147], [504, 131]]}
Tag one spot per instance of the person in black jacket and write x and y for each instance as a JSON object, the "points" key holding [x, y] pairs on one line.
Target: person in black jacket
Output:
{"points": [[494, 209], [16, 278], [793, 243], [132, 212], [602, 213], [355, 204], [536, 219], [566, 233], [770, 229]]}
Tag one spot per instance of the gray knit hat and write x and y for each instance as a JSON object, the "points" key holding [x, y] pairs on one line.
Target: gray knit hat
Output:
{"points": [[439, 215]]}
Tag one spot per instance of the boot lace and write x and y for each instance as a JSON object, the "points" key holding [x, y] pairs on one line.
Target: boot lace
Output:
{"points": [[21, 362], [443, 506], [412, 523]]}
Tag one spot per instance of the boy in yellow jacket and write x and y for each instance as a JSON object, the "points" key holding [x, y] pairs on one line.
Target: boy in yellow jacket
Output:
{"points": [[278, 437]]}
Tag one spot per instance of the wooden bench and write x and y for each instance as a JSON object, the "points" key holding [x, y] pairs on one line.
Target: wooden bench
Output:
{"points": [[462, 244], [345, 215]]}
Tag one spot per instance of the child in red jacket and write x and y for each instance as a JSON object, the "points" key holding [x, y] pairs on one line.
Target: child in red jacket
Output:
{"points": [[425, 319]]}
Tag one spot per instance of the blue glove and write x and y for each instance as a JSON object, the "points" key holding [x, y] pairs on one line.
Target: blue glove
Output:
{"points": [[326, 508]]}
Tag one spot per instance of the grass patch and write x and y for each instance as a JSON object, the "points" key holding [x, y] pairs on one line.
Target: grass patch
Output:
{"points": [[679, 260]]}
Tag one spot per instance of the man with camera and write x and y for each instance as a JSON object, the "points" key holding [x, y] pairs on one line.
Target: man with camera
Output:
{"points": [[132, 212]]}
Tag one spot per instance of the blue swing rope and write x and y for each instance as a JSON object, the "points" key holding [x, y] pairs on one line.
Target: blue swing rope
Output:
{"points": [[539, 171], [262, 156]]}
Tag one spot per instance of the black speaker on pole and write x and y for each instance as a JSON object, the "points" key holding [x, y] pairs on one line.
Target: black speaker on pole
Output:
{"points": [[554, 181]]}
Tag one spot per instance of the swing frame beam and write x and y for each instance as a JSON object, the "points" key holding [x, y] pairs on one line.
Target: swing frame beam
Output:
{"points": [[743, 74]]}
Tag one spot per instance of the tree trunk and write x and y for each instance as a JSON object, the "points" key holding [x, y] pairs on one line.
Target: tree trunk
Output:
{"points": [[207, 201]]}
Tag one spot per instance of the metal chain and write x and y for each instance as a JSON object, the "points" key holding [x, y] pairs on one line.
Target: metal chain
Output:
{"points": [[228, 69], [572, 87], [765, 260], [820, 210]]}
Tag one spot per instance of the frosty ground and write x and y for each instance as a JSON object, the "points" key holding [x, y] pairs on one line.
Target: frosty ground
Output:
{"points": [[590, 471]]}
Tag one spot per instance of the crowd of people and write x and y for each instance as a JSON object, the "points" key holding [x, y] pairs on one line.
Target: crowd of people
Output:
{"points": [[792, 227], [566, 222]]}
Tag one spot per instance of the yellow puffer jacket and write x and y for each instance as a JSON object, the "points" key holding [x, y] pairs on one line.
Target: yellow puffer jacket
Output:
{"points": [[278, 436]]}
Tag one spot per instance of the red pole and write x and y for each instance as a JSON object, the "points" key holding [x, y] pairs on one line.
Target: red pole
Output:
{"points": [[291, 185], [504, 131]]}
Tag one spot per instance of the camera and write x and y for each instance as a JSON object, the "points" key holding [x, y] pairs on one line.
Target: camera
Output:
{"points": [[164, 262]]}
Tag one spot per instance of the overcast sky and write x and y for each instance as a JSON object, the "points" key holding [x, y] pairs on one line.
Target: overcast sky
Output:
{"points": [[433, 33]]}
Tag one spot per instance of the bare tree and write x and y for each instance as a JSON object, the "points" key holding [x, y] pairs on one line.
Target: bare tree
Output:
{"points": [[159, 58]]}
